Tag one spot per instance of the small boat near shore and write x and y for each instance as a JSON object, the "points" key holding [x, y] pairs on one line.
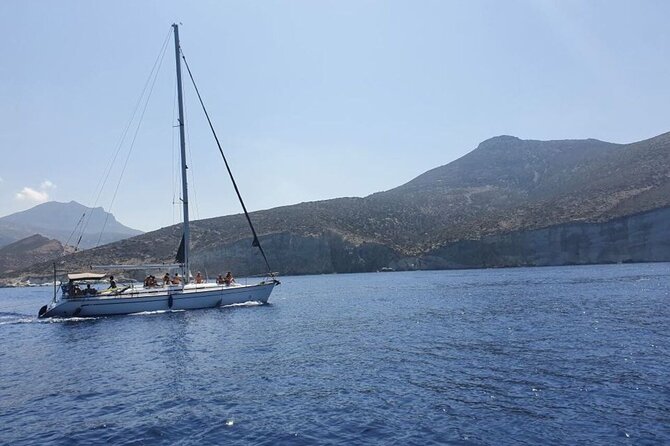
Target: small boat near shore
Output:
{"points": [[70, 300]]}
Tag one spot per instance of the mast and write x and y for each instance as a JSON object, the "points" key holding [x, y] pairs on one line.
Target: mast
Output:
{"points": [[182, 144]]}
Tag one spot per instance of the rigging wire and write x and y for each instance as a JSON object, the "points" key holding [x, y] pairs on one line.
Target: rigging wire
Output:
{"points": [[108, 169], [132, 143], [67, 242], [255, 242]]}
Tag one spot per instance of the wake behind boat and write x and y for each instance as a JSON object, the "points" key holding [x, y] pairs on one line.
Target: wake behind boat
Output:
{"points": [[73, 301]]}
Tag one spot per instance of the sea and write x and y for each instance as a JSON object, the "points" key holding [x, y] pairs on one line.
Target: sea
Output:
{"points": [[556, 355]]}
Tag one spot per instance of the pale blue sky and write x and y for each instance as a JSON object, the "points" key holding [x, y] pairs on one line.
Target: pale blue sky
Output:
{"points": [[312, 99]]}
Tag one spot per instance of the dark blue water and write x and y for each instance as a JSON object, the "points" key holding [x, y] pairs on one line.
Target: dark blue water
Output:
{"points": [[573, 355]]}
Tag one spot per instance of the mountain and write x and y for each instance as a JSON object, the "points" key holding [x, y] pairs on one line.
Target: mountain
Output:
{"points": [[509, 202], [509, 184], [61, 221], [29, 250]]}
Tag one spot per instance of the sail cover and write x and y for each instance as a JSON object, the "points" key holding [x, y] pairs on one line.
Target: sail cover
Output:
{"points": [[180, 252]]}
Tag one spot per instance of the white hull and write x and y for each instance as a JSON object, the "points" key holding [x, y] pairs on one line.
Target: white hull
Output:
{"points": [[190, 297]]}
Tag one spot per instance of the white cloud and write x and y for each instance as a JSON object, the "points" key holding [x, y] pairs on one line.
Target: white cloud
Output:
{"points": [[46, 184], [35, 195], [29, 194]]}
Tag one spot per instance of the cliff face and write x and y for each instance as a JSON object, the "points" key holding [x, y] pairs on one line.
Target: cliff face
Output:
{"points": [[299, 254], [641, 237], [508, 202]]}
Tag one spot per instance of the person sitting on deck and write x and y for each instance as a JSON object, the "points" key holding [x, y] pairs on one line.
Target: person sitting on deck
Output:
{"points": [[228, 280], [166, 279], [90, 291], [112, 282], [176, 280], [147, 282], [152, 281], [219, 280], [198, 278]]}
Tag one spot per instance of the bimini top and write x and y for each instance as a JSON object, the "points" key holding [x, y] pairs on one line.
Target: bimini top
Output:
{"points": [[86, 276]]}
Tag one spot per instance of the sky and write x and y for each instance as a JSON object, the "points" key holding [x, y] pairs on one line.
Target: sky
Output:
{"points": [[311, 99]]}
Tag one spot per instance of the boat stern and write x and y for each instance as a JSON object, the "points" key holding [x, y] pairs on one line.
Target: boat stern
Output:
{"points": [[59, 309]]}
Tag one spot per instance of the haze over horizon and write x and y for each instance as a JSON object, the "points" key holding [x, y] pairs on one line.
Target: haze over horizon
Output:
{"points": [[304, 95]]}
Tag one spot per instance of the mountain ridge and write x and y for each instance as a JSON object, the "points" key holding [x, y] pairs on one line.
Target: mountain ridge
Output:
{"points": [[506, 185], [61, 221]]}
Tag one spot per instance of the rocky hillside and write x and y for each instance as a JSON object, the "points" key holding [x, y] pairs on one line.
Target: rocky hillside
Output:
{"points": [[64, 222], [503, 189], [29, 250], [508, 184]]}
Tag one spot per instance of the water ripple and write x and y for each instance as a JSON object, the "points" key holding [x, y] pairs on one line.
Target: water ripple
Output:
{"points": [[575, 355]]}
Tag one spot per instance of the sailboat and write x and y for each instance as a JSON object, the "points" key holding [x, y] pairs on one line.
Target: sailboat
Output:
{"points": [[73, 301]]}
